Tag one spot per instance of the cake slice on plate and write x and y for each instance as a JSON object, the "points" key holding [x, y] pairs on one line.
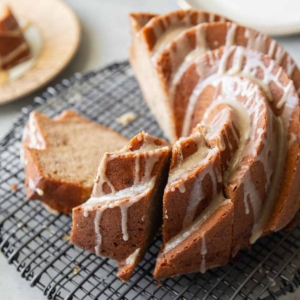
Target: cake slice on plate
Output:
{"points": [[13, 47], [60, 158], [124, 212]]}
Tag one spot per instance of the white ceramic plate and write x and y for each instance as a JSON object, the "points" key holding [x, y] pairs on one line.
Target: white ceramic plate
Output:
{"points": [[273, 17], [53, 35]]}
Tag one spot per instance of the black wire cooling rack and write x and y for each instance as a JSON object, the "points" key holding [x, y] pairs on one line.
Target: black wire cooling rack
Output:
{"points": [[37, 243]]}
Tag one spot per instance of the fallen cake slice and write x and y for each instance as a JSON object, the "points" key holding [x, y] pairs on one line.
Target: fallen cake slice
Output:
{"points": [[60, 158], [13, 46], [124, 212]]}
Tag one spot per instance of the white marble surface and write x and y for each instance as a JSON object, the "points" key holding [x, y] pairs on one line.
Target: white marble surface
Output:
{"points": [[105, 39]]}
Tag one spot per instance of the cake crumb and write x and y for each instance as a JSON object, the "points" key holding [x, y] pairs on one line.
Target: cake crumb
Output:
{"points": [[14, 187], [126, 118], [66, 238], [76, 270], [20, 224]]}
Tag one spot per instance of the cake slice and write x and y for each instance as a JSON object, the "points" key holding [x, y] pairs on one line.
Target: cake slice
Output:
{"points": [[60, 158], [124, 212], [13, 47], [197, 218]]}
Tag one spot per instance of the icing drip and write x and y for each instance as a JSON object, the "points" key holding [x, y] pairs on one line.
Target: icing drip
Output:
{"points": [[217, 202], [97, 231], [177, 148], [251, 194], [122, 199], [279, 55], [271, 49], [137, 170], [237, 61], [203, 253], [211, 18], [256, 41], [230, 35], [197, 194], [290, 66], [33, 187], [130, 260], [291, 140], [286, 92], [274, 187], [102, 178], [180, 172], [36, 140]]}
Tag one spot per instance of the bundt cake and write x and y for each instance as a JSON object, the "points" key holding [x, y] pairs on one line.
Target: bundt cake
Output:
{"points": [[124, 211], [230, 95], [13, 46], [227, 97], [60, 158]]}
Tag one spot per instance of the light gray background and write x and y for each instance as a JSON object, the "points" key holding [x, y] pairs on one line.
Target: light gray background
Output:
{"points": [[105, 39]]}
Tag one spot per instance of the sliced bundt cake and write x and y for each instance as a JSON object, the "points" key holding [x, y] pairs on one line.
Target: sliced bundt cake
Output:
{"points": [[60, 155]]}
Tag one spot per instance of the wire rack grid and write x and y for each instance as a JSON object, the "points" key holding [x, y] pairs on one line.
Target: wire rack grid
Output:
{"points": [[37, 243]]}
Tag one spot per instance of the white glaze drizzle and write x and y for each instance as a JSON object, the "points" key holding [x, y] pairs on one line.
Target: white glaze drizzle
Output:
{"points": [[279, 54], [256, 40], [274, 187], [291, 140], [272, 48], [203, 253], [182, 170], [290, 66], [130, 260], [36, 140], [230, 35], [33, 187], [186, 232], [197, 194]]}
